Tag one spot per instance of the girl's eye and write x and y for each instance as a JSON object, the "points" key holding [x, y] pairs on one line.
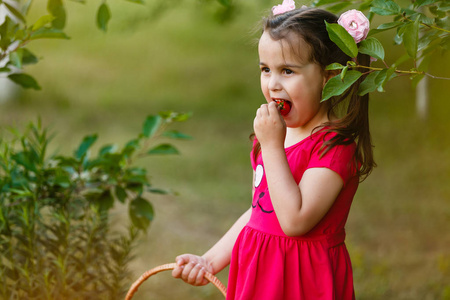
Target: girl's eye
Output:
{"points": [[288, 71], [265, 70]]}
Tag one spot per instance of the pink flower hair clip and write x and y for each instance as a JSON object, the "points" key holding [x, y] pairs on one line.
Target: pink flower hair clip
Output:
{"points": [[356, 24], [286, 6]]}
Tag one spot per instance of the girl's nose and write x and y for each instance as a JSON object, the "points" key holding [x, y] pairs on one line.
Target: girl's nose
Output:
{"points": [[274, 83]]}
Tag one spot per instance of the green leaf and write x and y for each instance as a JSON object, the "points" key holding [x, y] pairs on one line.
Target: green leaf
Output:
{"points": [[135, 187], [130, 147], [445, 43], [371, 46], [335, 86], [63, 181], [5, 69], [368, 85], [48, 33], [225, 3], [105, 201], [385, 7], [419, 3], [67, 162], [141, 213], [107, 149], [151, 125], [174, 134], [324, 2], [16, 58], [384, 76], [22, 159], [180, 117], [416, 79], [444, 6], [424, 63], [384, 27], [5, 33], [25, 80], [344, 71], [42, 21], [163, 149], [103, 16], [390, 25], [410, 33], [121, 194], [15, 12], [87, 142], [342, 39], [158, 191], [430, 47], [56, 9], [22, 193], [28, 57], [334, 66], [339, 6], [170, 116], [137, 1], [437, 12], [365, 6]]}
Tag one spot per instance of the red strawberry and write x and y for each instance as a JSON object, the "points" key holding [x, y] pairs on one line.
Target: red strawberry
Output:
{"points": [[284, 106]]}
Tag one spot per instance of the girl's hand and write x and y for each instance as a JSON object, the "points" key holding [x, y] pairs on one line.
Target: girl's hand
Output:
{"points": [[191, 269], [269, 126]]}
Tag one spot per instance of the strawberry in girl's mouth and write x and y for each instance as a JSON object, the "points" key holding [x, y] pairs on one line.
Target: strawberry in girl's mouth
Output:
{"points": [[284, 106]]}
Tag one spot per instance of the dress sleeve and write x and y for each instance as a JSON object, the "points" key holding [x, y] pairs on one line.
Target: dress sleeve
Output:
{"points": [[338, 159]]}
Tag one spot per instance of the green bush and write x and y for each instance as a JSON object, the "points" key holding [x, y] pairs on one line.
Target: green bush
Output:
{"points": [[56, 238]]}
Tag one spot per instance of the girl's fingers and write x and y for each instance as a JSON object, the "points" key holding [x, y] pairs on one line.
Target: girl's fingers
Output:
{"points": [[266, 110], [187, 271], [275, 111], [201, 277], [194, 275], [176, 272], [273, 107], [191, 269], [180, 262]]}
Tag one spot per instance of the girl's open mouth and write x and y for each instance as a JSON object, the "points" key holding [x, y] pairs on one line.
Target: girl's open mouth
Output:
{"points": [[283, 105]]}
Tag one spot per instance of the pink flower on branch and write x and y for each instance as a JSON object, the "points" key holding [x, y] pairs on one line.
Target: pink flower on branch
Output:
{"points": [[356, 24], [287, 5]]}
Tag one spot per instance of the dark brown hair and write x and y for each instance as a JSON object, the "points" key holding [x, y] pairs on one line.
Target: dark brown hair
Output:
{"points": [[353, 122]]}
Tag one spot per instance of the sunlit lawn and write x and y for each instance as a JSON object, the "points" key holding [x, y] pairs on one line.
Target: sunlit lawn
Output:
{"points": [[184, 61]]}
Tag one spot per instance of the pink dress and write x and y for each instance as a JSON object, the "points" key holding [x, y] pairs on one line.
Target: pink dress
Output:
{"points": [[266, 264]]}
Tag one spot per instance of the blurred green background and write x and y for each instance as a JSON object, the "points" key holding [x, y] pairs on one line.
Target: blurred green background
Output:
{"points": [[182, 56]]}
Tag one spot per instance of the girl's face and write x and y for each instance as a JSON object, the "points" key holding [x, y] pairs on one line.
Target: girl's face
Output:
{"points": [[292, 77]]}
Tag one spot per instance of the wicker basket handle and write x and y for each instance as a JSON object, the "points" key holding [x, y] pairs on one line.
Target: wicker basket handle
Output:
{"points": [[134, 287]]}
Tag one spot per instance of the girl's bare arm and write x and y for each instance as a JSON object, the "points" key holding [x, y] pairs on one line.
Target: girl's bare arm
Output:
{"points": [[298, 207], [191, 268]]}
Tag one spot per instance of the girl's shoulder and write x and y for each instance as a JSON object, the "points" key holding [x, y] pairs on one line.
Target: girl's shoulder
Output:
{"points": [[326, 141], [314, 152], [339, 157], [318, 138]]}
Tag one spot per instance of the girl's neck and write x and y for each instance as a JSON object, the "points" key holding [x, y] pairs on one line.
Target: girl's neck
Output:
{"points": [[297, 134]]}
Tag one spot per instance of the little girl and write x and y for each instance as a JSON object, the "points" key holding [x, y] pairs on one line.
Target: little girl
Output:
{"points": [[308, 158]]}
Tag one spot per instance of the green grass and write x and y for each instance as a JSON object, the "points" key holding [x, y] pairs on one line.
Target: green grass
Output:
{"points": [[181, 60]]}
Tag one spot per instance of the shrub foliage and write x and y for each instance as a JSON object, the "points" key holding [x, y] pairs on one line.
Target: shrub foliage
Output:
{"points": [[56, 238]]}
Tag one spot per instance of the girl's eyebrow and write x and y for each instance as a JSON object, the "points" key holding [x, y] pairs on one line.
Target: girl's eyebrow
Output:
{"points": [[285, 65], [293, 66]]}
